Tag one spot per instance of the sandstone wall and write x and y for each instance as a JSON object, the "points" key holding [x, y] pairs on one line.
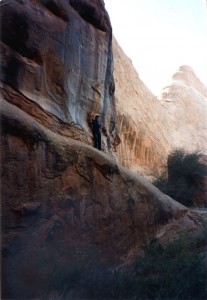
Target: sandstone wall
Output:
{"points": [[150, 128], [143, 126], [58, 56], [57, 192], [59, 195], [185, 102]]}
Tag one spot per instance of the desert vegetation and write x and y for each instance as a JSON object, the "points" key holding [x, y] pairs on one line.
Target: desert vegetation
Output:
{"points": [[175, 271], [183, 177]]}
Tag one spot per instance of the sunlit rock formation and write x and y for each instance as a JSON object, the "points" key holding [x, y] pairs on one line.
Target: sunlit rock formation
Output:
{"points": [[150, 128], [185, 101], [58, 193], [142, 122]]}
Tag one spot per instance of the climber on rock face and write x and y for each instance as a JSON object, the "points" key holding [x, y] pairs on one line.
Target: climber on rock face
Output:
{"points": [[95, 125]]}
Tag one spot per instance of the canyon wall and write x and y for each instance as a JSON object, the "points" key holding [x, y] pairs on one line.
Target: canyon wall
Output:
{"points": [[62, 199], [185, 102], [143, 126], [150, 128], [58, 56], [57, 65], [58, 193]]}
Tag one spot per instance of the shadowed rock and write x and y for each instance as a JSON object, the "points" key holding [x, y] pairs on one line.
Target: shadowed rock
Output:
{"points": [[59, 194], [58, 55], [60, 197]]}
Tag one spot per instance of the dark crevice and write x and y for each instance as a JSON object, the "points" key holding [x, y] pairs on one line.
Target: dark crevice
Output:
{"points": [[91, 14], [9, 74], [53, 7], [15, 34]]}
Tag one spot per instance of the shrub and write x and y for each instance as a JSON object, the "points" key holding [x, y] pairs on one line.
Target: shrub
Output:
{"points": [[183, 177], [175, 272]]}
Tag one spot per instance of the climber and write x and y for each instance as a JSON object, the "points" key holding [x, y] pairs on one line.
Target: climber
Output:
{"points": [[95, 125]]}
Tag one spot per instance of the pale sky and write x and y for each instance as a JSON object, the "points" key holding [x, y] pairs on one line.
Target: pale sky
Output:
{"points": [[161, 35]]}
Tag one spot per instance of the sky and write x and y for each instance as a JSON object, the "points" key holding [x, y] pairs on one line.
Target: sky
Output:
{"points": [[161, 35]]}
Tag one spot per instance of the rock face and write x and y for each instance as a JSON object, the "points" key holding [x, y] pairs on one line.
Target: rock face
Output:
{"points": [[58, 55], [185, 101], [58, 193], [150, 128], [143, 126]]}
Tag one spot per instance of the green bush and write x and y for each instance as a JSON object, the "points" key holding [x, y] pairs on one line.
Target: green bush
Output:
{"points": [[183, 178], [175, 272]]}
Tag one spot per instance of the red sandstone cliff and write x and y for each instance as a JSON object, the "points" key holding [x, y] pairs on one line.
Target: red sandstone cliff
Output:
{"points": [[58, 58], [143, 126], [151, 128], [56, 190], [59, 194]]}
